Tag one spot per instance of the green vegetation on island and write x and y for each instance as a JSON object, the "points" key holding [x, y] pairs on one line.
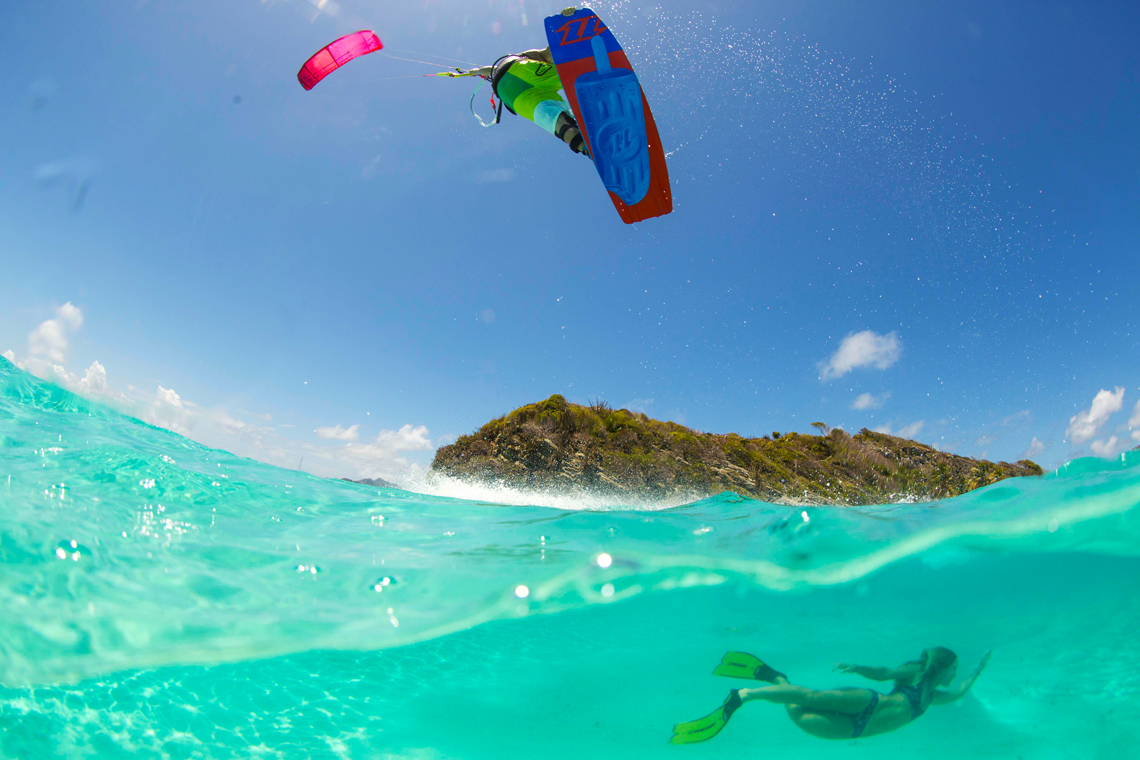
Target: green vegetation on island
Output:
{"points": [[555, 444]]}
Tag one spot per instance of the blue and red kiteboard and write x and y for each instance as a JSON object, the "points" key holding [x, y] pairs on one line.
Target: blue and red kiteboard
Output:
{"points": [[612, 113]]}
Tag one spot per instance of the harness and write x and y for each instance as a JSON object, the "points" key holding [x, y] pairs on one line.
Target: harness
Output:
{"points": [[511, 83], [521, 91], [498, 71]]}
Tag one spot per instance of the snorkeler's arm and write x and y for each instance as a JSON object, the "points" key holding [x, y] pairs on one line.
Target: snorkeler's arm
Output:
{"points": [[945, 696], [906, 672]]}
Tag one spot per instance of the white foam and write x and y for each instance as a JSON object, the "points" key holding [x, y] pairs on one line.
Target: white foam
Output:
{"points": [[434, 484]]}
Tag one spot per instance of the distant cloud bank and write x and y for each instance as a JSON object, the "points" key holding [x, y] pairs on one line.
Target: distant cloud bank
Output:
{"points": [[1134, 423], [47, 349]]}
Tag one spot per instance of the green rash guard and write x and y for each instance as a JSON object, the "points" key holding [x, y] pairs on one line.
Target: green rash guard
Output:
{"points": [[531, 90]]}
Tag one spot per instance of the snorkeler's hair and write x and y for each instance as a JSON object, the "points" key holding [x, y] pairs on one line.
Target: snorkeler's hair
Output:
{"points": [[935, 662]]}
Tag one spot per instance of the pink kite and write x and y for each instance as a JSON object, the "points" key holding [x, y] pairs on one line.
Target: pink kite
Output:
{"points": [[337, 53]]}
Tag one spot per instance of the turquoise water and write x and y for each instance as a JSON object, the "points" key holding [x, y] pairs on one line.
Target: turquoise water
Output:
{"points": [[162, 599]]}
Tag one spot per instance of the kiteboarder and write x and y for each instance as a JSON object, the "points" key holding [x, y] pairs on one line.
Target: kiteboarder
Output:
{"points": [[527, 84], [581, 89]]}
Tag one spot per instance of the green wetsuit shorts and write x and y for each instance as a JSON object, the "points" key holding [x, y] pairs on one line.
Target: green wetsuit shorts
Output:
{"points": [[531, 90]]}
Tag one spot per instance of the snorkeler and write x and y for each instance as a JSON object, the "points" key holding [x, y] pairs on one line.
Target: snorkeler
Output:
{"points": [[528, 85], [838, 713]]}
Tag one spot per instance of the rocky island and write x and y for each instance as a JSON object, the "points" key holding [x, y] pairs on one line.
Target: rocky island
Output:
{"points": [[555, 444]]}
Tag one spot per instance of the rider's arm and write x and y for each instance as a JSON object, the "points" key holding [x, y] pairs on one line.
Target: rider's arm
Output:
{"points": [[541, 55]]}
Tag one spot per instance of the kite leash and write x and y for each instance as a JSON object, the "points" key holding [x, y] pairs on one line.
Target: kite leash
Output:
{"points": [[498, 109]]}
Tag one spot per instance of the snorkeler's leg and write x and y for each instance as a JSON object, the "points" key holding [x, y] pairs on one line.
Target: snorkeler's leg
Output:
{"points": [[744, 665], [849, 701], [703, 729], [822, 724]]}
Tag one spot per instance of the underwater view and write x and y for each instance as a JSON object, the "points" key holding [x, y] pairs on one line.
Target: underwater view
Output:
{"points": [[497, 379], [164, 599]]}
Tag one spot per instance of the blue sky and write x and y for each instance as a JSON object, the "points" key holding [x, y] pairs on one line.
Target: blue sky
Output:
{"points": [[886, 214]]}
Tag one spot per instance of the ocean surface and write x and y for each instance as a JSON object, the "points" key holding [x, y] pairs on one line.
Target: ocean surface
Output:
{"points": [[159, 599]]}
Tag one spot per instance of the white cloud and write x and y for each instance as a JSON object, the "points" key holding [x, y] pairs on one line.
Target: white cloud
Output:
{"points": [[867, 401], [94, 380], [1036, 448], [911, 430], [1134, 423], [168, 396], [229, 424], [862, 349], [71, 315], [407, 438], [1109, 448], [1084, 425], [57, 373], [1017, 418], [382, 456], [253, 436], [984, 440], [339, 433], [164, 409], [49, 340], [642, 405]]}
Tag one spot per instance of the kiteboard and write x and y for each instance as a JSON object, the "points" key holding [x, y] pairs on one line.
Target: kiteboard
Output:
{"points": [[612, 113]]}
